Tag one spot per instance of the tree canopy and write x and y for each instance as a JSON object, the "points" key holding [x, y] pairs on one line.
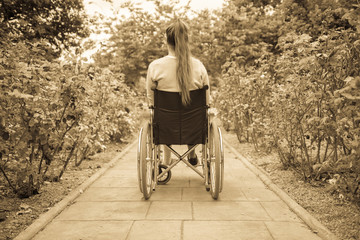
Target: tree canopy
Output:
{"points": [[62, 23]]}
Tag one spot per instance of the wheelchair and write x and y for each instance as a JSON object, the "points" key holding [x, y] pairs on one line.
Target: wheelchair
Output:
{"points": [[170, 124]]}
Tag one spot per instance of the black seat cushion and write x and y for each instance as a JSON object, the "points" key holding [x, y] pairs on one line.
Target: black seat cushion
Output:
{"points": [[177, 124]]}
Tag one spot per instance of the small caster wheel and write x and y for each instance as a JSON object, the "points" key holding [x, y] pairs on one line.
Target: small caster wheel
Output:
{"points": [[166, 178]]}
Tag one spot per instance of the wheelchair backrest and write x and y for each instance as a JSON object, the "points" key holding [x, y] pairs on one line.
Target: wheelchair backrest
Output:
{"points": [[177, 124]]}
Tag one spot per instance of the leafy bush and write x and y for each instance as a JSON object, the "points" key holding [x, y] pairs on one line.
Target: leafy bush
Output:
{"points": [[53, 113], [302, 96]]}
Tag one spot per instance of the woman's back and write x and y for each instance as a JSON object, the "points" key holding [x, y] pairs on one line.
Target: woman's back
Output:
{"points": [[162, 75]]}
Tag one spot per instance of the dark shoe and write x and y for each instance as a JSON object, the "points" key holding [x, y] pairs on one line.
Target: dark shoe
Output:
{"points": [[193, 161]]}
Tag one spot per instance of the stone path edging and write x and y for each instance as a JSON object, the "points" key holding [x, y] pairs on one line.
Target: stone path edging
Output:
{"points": [[45, 218], [312, 222]]}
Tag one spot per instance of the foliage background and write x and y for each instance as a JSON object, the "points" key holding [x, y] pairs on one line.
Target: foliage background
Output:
{"points": [[54, 111], [297, 81], [284, 76]]}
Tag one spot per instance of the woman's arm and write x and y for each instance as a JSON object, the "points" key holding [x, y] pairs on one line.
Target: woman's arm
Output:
{"points": [[205, 79], [149, 84]]}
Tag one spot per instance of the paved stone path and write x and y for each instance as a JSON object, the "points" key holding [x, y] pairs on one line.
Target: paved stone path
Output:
{"points": [[113, 208]]}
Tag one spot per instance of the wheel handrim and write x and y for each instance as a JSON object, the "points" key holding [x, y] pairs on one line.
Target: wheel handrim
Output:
{"points": [[149, 174], [212, 174], [149, 163]]}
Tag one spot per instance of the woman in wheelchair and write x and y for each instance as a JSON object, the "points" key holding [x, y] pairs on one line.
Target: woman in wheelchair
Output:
{"points": [[178, 95], [177, 72]]}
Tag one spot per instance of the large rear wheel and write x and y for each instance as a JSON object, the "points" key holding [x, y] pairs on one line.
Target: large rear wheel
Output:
{"points": [[221, 161], [146, 162], [138, 157], [215, 155]]}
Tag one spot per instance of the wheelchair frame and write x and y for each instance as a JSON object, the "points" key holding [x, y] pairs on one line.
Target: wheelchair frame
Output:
{"points": [[151, 171]]}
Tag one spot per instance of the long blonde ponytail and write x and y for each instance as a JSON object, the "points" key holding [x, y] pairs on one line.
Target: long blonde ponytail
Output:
{"points": [[177, 37]]}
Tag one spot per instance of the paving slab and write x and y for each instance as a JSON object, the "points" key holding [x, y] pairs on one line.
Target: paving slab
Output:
{"points": [[115, 182], [106, 194], [159, 230], [217, 230], [279, 211], [167, 194], [113, 207], [105, 211], [259, 194], [89, 230], [290, 230], [196, 194], [246, 211], [170, 210]]}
